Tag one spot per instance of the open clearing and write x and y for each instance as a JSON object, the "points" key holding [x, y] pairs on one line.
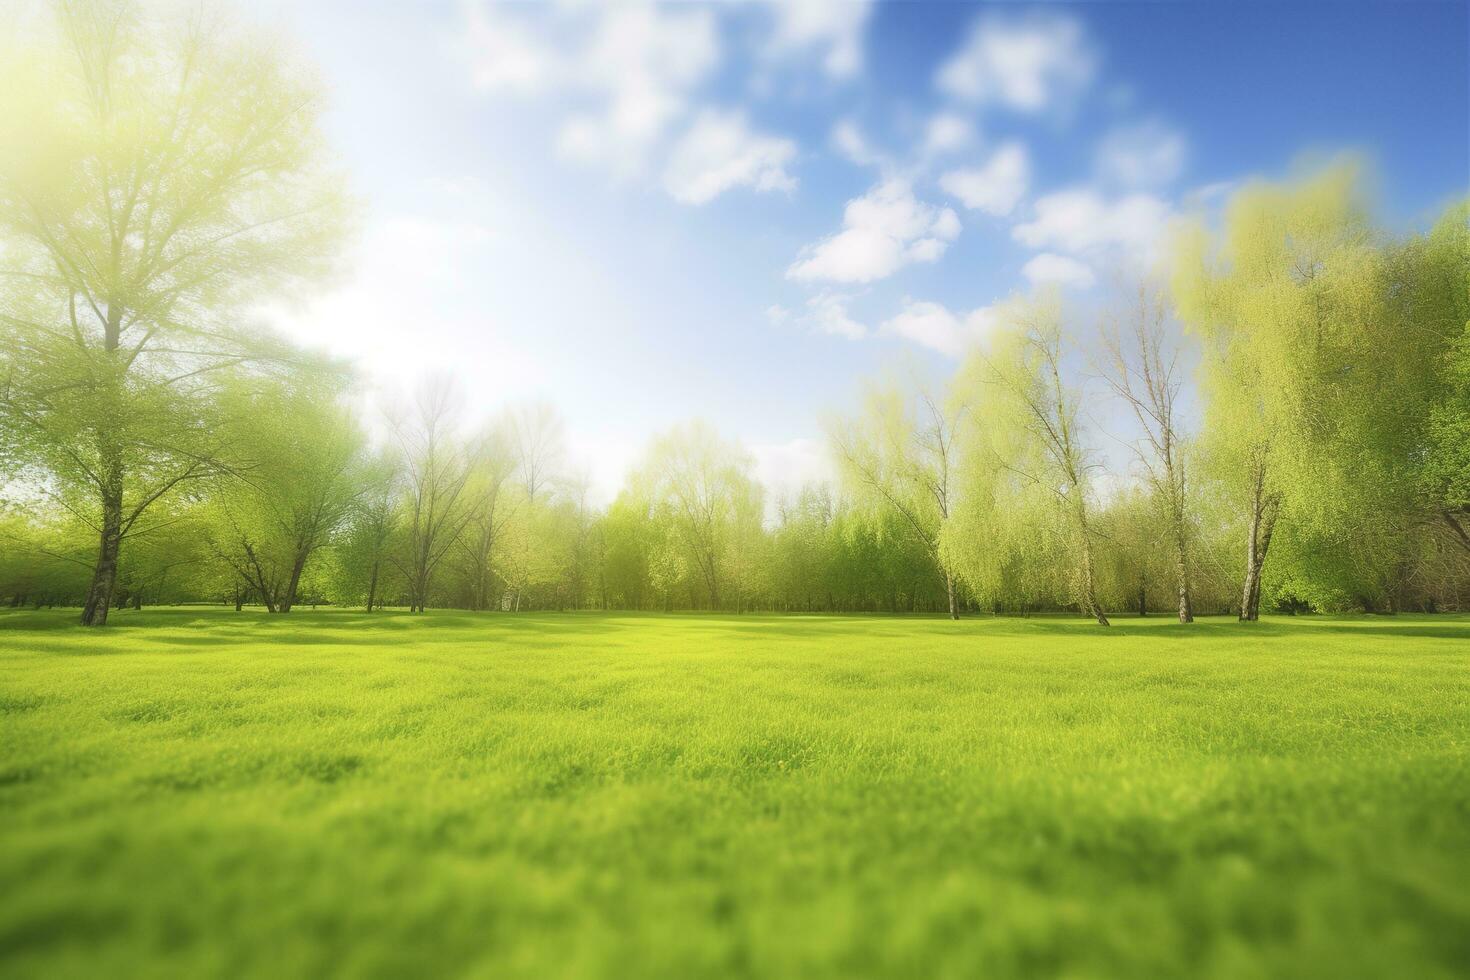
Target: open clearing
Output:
{"points": [[197, 792]]}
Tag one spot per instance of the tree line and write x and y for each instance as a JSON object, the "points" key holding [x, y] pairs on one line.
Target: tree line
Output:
{"points": [[1293, 394]]}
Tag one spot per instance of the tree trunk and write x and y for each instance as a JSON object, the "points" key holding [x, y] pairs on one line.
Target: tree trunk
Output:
{"points": [[1142, 600], [1252, 567], [954, 611], [1089, 572], [1181, 573], [1268, 526], [372, 587], [418, 589], [104, 573], [1258, 542], [714, 589], [1093, 607], [1255, 561], [295, 580]]}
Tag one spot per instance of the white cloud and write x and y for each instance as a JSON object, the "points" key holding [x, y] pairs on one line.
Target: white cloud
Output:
{"points": [[850, 142], [505, 55], [1147, 154], [835, 26], [934, 326], [995, 188], [1050, 268], [646, 61], [1082, 221], [1027, 63], [947, 132], [720, 152], [637, 64], [883, 230], [825, 313]]}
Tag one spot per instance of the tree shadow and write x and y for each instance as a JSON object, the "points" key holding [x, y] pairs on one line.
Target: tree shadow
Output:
{"points": [[222, 628]]}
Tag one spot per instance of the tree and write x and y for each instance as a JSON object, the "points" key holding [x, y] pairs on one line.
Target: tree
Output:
{"points": [[535, 434], [491, 504], [900, 454], [580, 529], [300, 482], [1138, 555], [437, 469], [536, 552], [165, 564], [626, 533], [698, 485], [160, 177], [802, 550], [1142, 369], [1446, 476], [1432, 294], [372, 526], [43, 556], [1032, 417], [1313, 389]]}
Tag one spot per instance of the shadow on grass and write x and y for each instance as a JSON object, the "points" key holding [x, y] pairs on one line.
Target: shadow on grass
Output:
{"points": [[222, 628]]}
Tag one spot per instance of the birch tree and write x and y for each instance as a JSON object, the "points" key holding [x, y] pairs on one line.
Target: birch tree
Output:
{"points": [[1033, 418], [1142, 368]]}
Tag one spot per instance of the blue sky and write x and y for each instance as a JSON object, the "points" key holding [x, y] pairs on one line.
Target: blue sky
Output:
{"points": [[650, 213]]}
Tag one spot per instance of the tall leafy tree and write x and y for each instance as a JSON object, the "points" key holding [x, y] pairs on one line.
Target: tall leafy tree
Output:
{"points": [[1314, 389], [700, 488], [899, 455], [300, 479], [158, 180], [1431, 294], [1033, 422], [373, 524]]}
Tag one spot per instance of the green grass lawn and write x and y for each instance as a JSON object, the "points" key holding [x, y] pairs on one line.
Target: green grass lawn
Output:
{"points": [[197, 792]]}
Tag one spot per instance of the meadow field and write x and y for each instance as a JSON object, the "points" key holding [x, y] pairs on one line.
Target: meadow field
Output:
{"points": [[196, 792]]}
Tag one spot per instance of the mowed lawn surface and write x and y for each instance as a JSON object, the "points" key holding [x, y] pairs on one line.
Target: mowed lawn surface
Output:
{"points": [[202, 793]]}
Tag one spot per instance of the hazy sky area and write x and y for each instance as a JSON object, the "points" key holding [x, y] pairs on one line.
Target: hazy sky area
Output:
{"points": [[645, 214]]}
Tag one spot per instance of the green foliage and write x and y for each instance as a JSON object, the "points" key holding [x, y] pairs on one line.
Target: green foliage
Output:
{"points": [[44, 559], [1030, 462], [161, 177], [1325, 349], [1435, 294], [706, 511], [156, 177]]}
